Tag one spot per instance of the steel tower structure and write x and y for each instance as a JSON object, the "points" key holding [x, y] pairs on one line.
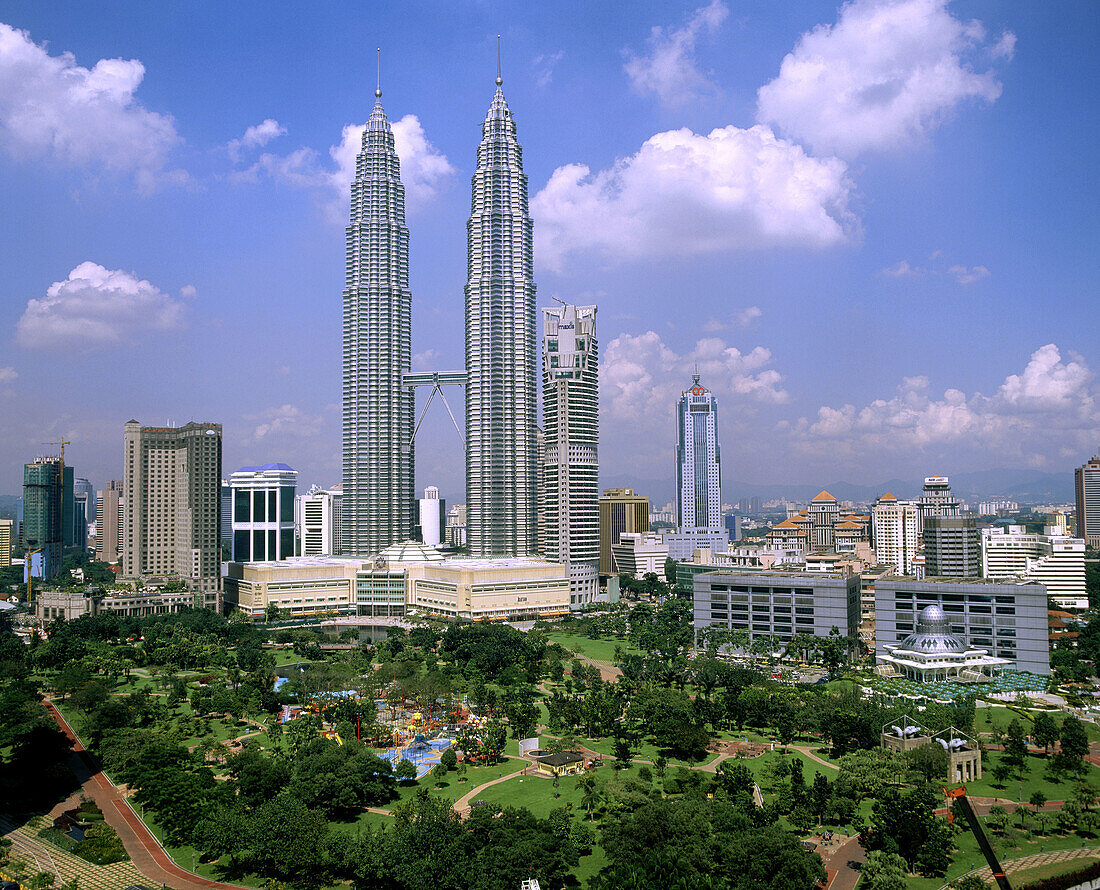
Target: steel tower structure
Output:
{"points": [[378, 498], [501, 383]]}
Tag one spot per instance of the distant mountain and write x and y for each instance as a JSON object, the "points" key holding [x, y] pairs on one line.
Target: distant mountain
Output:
{"points": [[1023, 486], [8, 504]]}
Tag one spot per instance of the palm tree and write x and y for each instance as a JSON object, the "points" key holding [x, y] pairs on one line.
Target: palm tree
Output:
{"points": [[590, 795]]}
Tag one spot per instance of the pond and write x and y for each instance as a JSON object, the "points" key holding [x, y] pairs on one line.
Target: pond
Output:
{"points": [[367, 633]]}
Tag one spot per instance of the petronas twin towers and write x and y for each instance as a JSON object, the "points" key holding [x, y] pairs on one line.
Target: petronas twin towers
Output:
{"points": [[500, 378]]}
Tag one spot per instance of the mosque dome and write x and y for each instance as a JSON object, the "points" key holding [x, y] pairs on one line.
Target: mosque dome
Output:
{"points": [[933, 636]]}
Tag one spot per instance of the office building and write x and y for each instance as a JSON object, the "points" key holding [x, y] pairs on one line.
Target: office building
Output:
{"points": [[318, 518], [456, 526], [782, 604], [895, 532], [501, 383], [110, 506], [518, 589], [698, 459], [621, 510], [263, 512], [682, 543], [433, 517], [7, 535], [936, 499], [1006, 619], [823, 526], [1086, 486], [226, 530], [824, 512], [639, 553], [69, 604], [172, 522], [1054, 560], [952, 547], [48, 515], [732, 521], [570, 466], [378, 408]]}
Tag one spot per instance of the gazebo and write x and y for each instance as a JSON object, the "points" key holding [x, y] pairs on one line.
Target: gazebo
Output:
{"points": [[935, 653]]}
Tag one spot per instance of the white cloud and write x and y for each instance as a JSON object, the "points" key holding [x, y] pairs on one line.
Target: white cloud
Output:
{"points": [[7, 375], [1050, 404], [425, 171], [283, 421], [741, 318], [189, 291], [424, 361], [544, 65], [964, 275], [884, 75], [668, 70], [683, 194], [902, 269], [254, 136], [97, 306], [52, 107]]}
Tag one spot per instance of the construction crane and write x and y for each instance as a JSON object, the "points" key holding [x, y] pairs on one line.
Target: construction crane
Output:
{"points": [[958, 795]]}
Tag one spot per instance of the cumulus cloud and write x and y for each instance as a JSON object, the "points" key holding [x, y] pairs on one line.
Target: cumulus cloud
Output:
{"points": [[97, 306], [7, 375], [1052, 402], [684, 194], [283, 420], [425, 171], [544, 65], [668, 68], [424, 361], [884, 75], [52, 107], [960, 273], [902, 269], [254, 136]]}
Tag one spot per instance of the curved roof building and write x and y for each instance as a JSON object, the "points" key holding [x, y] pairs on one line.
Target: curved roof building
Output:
{"points": [[935, 653]]}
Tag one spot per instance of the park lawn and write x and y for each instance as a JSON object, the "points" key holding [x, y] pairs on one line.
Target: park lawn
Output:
{"points": [[758, 766], [1050, 870], [1032, 779], [988, 718], [184, 856], [598, 650], [589, 865], [536, 793]]}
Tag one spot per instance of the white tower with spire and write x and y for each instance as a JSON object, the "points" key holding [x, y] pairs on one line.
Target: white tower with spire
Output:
{"points": [[378, 500], [501, 358]]}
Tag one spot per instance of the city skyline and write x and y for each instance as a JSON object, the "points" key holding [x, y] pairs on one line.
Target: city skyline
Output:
{"points": [[938, 288]]}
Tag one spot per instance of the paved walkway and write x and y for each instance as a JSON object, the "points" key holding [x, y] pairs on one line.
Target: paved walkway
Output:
{"points": [[843, 864], [462, 805], [145, 851], [1037, 859], [608, 672], [808, 752], [26, 844]]}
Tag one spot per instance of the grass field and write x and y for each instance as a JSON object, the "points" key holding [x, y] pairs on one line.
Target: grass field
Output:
{"points": [[597, 650], [1020, 879]]}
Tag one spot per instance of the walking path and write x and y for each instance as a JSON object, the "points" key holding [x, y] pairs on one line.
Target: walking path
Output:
{"points": [[462, 805], [844, 864], [1033, 861], [145, 851], [807, 751]]}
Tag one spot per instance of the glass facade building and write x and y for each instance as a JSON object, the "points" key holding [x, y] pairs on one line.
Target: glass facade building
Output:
{"points": [[263, 512], [698, 460]]}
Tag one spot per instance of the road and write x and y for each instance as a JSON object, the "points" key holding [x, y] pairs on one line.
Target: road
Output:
{"points": [[145, 851]]}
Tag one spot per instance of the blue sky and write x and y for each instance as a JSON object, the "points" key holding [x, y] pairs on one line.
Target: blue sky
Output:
{"points": [[872, 226]]}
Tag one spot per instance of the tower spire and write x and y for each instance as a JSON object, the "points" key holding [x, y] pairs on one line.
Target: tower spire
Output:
{"points": [[378, 80], [500, 80]]}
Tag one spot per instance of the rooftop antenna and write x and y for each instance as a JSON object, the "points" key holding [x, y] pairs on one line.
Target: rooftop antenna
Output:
{"points": [[500, 80], [378, 81]]}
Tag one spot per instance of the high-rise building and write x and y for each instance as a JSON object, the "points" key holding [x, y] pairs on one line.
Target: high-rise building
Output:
{"points": [[263, 512], [621, 510], [7, 533], [318, 518], [894, 533], [48, 511], [1086, 485], [823, 512], [433, 517], [698, 460], [226, 530], [378, 407], [501, 384], [110, 507], [952, 547], [456, 526], [83, 486], [172, 478], [936, 499], [1052, 559], [570, 463]]}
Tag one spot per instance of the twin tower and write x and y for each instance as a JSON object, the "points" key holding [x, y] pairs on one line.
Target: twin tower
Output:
{"points": [[502, 448]]}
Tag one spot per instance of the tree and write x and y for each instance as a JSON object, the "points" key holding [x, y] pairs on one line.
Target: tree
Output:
{"points": [[884, 871], [449, 759], [1044, 731], [405, 772], [905, 823], [1038, 800], [1015, 745], [1074, 742]]}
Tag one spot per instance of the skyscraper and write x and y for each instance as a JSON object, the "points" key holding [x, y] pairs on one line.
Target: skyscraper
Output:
{"points": [[570, 465], [621, 510], [172, 478], [378, 408], [501, 386], [698, 460], [1086, 486], [936, 499], [47, 514], [952, 547], [894, 532], [110, 510]]}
